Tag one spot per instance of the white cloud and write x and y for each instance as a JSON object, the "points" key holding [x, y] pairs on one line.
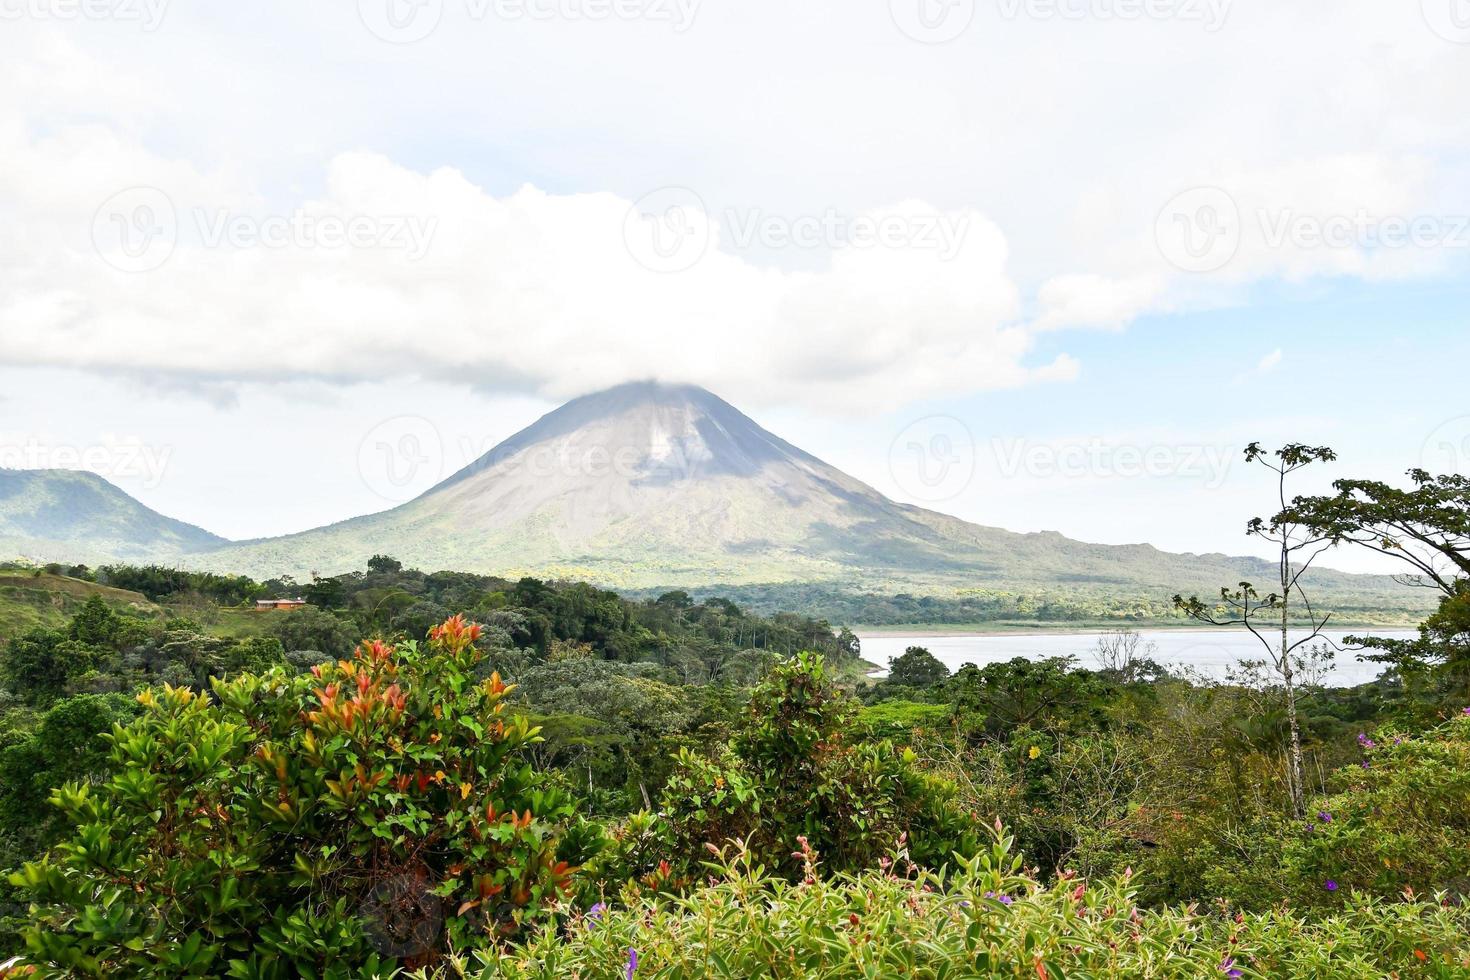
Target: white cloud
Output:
{"points": [[1057, 187], [1095, 301], [1270, 362], [533, 289]]}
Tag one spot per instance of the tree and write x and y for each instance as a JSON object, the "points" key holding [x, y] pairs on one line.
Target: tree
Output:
{"points": [[69, 743], [419, 617], [384, 565], [1124, 657], [1044, 694], [38, 664], [95, 624], [313, 629], [1268, 617], [326, 593], [917, 668], [1428, 528]]}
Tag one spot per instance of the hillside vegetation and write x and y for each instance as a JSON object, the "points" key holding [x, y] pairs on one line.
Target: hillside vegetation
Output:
{"points": [[30, 598], [75, 516]]}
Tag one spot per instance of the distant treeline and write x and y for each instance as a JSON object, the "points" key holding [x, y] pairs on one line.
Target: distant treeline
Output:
{"points": [[971, 606]]}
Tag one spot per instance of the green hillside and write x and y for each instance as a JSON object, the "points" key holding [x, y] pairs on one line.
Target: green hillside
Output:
{"points": [[29, 599], [75, 516]]}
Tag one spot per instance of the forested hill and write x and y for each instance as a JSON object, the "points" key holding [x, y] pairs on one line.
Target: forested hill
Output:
{"points": [[75, 516]]}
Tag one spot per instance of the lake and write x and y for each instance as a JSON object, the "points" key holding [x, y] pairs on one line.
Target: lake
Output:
{"points": [[1209, 651]]}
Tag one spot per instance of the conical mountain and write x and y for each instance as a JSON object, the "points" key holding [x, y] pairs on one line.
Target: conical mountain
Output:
{"points": [[649, 485]]}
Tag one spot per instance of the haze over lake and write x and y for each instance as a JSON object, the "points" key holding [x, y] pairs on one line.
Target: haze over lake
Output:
{"points": [[1212, 652]]}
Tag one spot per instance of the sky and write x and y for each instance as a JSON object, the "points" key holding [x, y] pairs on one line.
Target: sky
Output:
{"points": [[1042, 264]]}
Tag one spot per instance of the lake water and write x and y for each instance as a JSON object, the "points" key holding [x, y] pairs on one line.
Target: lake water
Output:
{"points": [[1209, 651]]}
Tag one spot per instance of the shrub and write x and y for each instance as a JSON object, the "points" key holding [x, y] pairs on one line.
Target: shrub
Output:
{"points": [[798, 769], [985, 919], [1401, 820], [306, 826]]}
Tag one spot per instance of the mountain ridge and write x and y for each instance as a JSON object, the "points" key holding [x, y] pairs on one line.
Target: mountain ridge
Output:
{"points": [[76, 515], [650, 484]]}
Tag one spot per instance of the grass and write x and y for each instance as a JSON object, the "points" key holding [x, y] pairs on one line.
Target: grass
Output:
{"points": [[29, 600]]}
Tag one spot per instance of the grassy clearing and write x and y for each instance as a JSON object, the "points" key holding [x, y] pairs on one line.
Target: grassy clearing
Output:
{"points": [[29, 600]]}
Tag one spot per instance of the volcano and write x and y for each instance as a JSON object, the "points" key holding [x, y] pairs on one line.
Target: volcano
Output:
{"points": [[648, 484]]}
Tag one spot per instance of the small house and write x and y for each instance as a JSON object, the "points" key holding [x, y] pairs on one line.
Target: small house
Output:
{"points": [[279, 603]]}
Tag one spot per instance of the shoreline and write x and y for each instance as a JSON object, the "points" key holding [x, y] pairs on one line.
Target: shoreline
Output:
{"points": [[1046, 629]]}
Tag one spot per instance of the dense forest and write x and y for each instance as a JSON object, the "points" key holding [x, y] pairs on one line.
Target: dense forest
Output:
{"points": [[445, 774]]}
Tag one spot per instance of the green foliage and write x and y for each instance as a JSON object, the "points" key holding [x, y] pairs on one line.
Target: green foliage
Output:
{"points": [[984, 919], [158, 582], [384, 564], [1427, 527], [917, 668], [245, 825], [1045, 694], [625, 714], [902, 720], [67, 743], [95, 624], [796, 775], [307, 826], [1401, 819], [1436, 662], [313, 629], [38, 665]]}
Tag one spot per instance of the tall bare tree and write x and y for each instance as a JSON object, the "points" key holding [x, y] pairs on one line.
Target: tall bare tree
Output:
{"points": [[1269, 617]]}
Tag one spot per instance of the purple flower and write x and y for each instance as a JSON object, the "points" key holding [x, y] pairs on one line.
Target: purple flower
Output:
{"points": [[1331, 885], [1227, 967], [594, 914], [1365, 741], [1467, 711], [632, 963], [1324, 816]]}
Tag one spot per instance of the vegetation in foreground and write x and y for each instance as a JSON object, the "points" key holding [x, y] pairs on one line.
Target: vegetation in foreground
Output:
{"points": [[380, 814], [985, 918]]}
